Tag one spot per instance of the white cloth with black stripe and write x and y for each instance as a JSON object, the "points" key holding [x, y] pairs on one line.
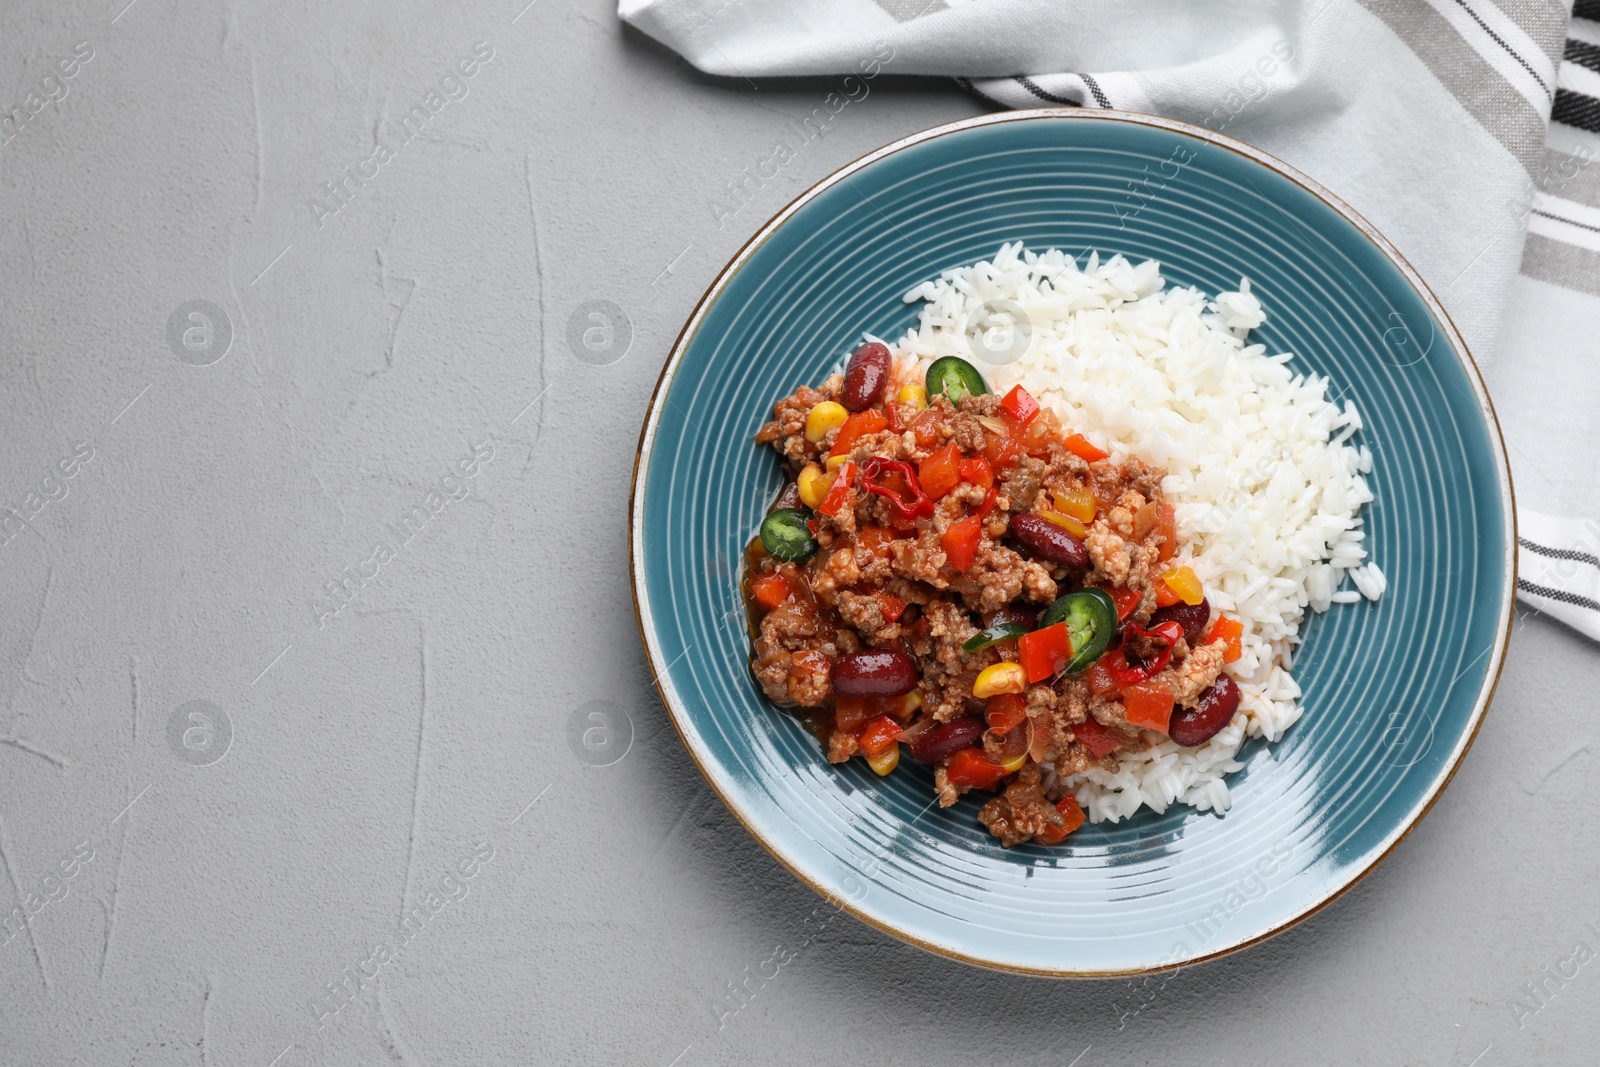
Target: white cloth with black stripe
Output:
{"points": [[1469, 133]]}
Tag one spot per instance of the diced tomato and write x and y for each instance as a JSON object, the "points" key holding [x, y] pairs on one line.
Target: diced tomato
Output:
{"points": [[878, 735], [1127, 601], [1006, 712], [1002, 449], [977, 471], [1102, 682], [875, 539], [1231, 631], [940, 472], [770, 590], [960, 542], [891, 606], [1044, 653], [839, 490], [1148, 704], [1020, 405], [1167, 527], [1098, 739], [972, 769], [1165, 597], [926, 427], [1081, 447], [1043, 431], [856, 427]]}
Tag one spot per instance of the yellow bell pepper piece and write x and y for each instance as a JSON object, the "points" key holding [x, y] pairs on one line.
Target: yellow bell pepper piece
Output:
{"points": [[1185, 584], [1077, 503]]}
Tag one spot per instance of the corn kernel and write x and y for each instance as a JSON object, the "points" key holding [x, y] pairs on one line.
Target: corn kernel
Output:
{"points": [[1186, 584], [908, 704], [1066, 522], [814, 486], [822, 418], [835, 462], [1014, 764], [999, 678], [915, 395], [885, 761], [1077, 503]]}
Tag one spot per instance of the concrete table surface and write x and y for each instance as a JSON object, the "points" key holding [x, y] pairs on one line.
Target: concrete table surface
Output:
{"points": [[324, 568]]}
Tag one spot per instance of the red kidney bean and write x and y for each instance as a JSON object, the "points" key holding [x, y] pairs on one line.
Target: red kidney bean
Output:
{"points": [[1044, 538], [1192, 617], [876, 672], [1214, 710], [946, 739], [1016, 613], [865, 376], [789, 498]]}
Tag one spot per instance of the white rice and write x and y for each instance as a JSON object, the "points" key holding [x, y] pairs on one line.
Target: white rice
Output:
{"points": [[1262, 471]]}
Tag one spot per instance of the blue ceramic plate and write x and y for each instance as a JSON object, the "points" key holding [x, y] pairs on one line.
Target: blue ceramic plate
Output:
{"points": [[1394, 691]]}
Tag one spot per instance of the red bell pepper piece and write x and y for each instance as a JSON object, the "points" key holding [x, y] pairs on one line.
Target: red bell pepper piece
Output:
{"points": [[839, 490], [1101, 683], [1148, 704], [896, 482], [1020, 405], [960, 542], [891, 414], [940, 472], [1127, 674], [1081, 447], [1072, 816], [878, 735], [856, 427], [1044, 653], [1231, 631], [969, 767], [1127, 601], [891, 606], [987, 505]]}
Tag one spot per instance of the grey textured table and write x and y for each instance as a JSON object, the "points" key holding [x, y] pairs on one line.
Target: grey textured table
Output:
{"points": [[298, 419]]}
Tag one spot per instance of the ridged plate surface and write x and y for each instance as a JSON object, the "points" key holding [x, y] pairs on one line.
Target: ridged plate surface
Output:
{"points": [[1394, 690]]}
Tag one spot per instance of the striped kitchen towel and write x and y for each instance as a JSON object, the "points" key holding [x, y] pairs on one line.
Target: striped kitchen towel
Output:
{"points": [[1467, 131]]}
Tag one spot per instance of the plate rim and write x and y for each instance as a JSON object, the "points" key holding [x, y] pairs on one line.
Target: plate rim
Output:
{"points": [[645, 623]]}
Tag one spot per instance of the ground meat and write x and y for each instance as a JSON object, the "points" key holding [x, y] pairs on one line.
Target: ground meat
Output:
{"points": [[842, 745], [1022, 485], [998, 576], [948, 794], [786, 431], [1021, 811], [1195, 673], [864, 613], [966, 427], [1109, 554], [1071, 708]]}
